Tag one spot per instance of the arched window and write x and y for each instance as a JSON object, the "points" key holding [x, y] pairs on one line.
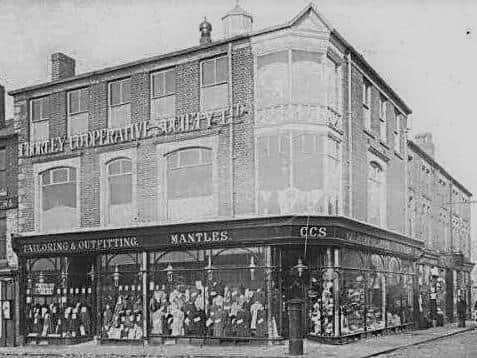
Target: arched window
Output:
{"points": [[189, 183], [120, 191], [376, 194], [58, 198]]}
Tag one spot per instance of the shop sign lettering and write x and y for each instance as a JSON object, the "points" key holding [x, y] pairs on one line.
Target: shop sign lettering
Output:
{"points": [[133, 132], [42, 288], [201, 237], [72, 246], [313, 231]]}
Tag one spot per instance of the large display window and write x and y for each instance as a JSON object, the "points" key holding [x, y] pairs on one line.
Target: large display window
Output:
{"points": [[59, 298], [220, 294], [122, 297]]}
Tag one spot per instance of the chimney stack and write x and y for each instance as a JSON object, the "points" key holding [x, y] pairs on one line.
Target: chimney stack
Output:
{"points": [[237, 22], [62, 66], [424, 140], [205, 29]]}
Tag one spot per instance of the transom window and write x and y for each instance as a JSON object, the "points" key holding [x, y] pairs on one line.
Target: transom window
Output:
{"points": [[40, 112], [120, 181], [214, 83], [163, 99], [78, 102], [189, 173], [119, 103]]}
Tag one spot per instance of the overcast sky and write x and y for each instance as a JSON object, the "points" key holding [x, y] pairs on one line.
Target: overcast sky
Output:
{"points": [[425, 49]]}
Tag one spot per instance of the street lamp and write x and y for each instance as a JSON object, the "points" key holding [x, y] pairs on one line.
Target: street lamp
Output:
{"points": [[300, 267]]}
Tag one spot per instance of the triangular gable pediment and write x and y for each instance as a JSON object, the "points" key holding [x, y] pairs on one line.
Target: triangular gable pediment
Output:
{"points": [[310, 20]]}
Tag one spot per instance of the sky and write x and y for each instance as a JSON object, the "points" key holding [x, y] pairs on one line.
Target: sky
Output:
{"points": [[425, 49]]}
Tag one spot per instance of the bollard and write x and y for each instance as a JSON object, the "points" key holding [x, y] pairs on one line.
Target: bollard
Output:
{"points": [[295, 335]]}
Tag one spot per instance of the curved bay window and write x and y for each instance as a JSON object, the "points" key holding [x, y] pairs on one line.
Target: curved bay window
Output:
{"points": [[218, 294], [59, 207], [290, 173], [59, 298], [122, 292], [190, 189], [120, 191]]}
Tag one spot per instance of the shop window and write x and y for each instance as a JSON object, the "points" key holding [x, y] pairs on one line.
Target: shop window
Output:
{"points": [[190, 187], [163, 94], [214, 84], [59, 300], [210, 293], [290, 173], [39, 114], [59, 207], [120, 191], [122, 290], [3, 171], [119, 103], [376, 194], [78, 101], [375, 290]]}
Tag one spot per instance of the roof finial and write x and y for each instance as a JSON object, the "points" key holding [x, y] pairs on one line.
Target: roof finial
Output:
{"points": [[205, 29]]}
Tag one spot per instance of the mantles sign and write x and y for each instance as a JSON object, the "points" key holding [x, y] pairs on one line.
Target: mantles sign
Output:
{"points": [[81, 245], [202, 237], [133, 132]]}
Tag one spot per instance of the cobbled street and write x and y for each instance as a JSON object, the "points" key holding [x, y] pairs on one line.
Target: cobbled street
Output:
{"points": [[459, 346]]}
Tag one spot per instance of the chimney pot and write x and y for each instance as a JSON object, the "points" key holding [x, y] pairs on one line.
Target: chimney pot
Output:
{"points": [[424, 140], [62, 66]]}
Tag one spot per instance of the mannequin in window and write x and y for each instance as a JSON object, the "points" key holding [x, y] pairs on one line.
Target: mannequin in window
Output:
{"points": [[217, 315], [107, 318], [242, 318], [177, 326], [85, 320], [258, 320], [189, 311]]}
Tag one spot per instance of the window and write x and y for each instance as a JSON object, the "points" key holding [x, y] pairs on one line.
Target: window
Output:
{"points": [[214, 83], [397, 133], [280, 82], [3, 171], [290, 173], [120, 191], [163, 94], [382, 118], [40, 111], [334, 177], [367, 104], [190, 183], [119, 103], [78, 102], [334, 85], [3, 236], [376, 194], [58, 198]]}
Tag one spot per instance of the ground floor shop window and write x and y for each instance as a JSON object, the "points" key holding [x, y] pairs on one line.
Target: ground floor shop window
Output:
{"points": [[59, 298], [122, 294], [214, 293]]}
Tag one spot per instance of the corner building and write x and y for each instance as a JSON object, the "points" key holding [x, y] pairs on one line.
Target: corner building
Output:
{"points": [[193, 194]]}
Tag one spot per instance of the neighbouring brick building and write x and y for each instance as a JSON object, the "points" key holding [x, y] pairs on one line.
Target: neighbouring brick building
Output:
{"points": [[193, 194], [439, 216], [8, 215]]}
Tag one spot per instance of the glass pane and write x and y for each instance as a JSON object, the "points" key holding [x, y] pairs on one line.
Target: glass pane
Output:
{"points": [[157, 84], [45, 178], [84, 100], [172, 160], [189, 157], [126, 88], [115, 167], [306, 77], [3, 181], [208, 72], [45, 107], [78, 123], [206, 156], [59, 195], [120, 189], [74, 102], [215, 97], [36, 110], [60, 175], [222, 70], [120, 116], [40, 131], [72, 174], [115, 93], [170, 82], [126, 166], [2, 159], [272, 79], [190, 182], [163, 107]]}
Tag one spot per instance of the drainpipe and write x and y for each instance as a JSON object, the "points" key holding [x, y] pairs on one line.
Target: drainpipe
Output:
{"points": [[350, 142]]}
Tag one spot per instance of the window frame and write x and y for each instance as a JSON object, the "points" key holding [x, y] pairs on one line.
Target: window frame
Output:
{"points": [[41, 99], [366, 105], [375, 164], [214, 59], [109, 176], [68, 101], [398, 132], [383, 105], [121, 81], [162, 72]]}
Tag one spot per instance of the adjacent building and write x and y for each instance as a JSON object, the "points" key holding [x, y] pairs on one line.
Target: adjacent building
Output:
{"points": [[193, 194], [439, 216]]}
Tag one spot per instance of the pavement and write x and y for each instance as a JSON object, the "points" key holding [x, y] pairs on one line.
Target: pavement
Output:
{"points": [[369, 347]]}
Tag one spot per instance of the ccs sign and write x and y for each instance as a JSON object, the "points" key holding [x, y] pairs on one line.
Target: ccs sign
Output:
{"points": [[313, 231]]}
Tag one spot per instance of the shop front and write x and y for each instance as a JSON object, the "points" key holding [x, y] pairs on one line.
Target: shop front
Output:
{"points": [[216, 282]]}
